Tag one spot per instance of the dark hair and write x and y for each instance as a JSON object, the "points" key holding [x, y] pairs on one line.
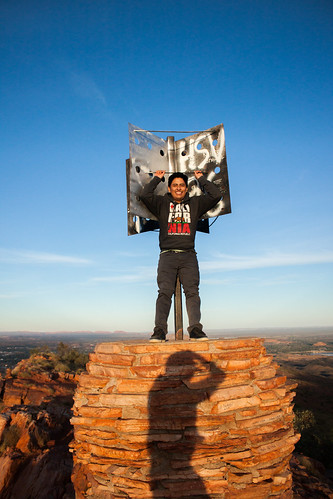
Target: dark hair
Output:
{"points": [[177, 175]]}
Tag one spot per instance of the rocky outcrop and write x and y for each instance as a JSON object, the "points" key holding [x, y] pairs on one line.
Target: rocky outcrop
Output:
{"points": [[35, 433], [183, 419], [310, 478], [29, 386]]}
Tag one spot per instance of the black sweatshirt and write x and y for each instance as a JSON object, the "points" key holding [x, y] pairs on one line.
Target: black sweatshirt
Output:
{"points": [[178, 221]]}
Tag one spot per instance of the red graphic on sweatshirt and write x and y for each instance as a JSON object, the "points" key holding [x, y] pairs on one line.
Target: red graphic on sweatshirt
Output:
{"points": [[179, 219], [179, 228]]}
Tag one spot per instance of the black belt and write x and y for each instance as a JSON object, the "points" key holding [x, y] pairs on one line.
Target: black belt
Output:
{"points": [[178, 251]]}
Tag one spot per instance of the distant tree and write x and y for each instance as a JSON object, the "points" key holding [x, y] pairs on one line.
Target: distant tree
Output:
{"points": [[304, 420], [315, 441], [66, 359], [69, 359], [62, 349], [43, 350]]}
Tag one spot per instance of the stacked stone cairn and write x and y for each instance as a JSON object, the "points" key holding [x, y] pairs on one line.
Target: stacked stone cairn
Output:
{"points": [[183, 420]]}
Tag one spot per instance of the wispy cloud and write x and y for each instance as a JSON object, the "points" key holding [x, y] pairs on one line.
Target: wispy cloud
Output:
{"points": [[248, 280], [35, 257], [221, 262], [10, 296], [86, 88], [215, 281], [230, 262], [140, 274]]}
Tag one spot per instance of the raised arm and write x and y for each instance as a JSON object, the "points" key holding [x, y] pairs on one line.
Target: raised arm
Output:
{"points": [[212, 193], [148, 197]]}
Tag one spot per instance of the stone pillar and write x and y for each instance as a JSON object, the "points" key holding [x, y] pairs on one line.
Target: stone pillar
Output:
{"points": [[183, 420]]}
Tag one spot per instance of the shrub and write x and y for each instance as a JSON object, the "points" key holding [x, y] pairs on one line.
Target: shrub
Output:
{"points": [[315, 441], [41, 363], [10, 437], [60, 367], [74, 360], [40, 350], [66, 359], [304, 420]]}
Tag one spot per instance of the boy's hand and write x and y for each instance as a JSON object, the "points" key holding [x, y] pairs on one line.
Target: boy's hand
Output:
{"points": [[198, 174], [160, 173]]}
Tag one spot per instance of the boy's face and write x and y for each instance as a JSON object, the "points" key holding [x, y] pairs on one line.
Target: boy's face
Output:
{"points": [[178, 189]]}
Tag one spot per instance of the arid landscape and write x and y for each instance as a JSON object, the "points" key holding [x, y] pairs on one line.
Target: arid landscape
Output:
{"points": [[309, 361], [36, 398]]}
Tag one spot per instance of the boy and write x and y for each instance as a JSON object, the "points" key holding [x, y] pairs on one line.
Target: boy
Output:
{"points": [[178, 215]]}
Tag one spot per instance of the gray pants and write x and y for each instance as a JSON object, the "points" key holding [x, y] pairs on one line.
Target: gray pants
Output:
{"points": [[184, 264]]}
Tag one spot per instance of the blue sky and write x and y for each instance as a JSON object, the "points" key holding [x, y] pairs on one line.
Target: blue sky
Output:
{"points": [[73, 74]]}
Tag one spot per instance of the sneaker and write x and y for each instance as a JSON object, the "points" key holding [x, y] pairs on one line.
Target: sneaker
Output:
{"points": [[158, 336], [198, 335]]}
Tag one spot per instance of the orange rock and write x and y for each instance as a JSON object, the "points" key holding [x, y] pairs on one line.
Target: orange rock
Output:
{"points": [[270, 447], [114, 453], [236, 378], [161, 358], [213, 415], [109, 348], [263, 372], [8, 465], [269, 458], [262, 429], [280, 392], [91, 422], [290, 386], [131, 426], [108, 371], [3, 423], [119, 400], [270, 405], [261, 421], [190, 488], [131, 485], [269, 395], [247, 353], [266, 360], [247, 413], [101, 412], [280, 434], [232, 393], [168, 347], [144, 386], [233, 405], [113, 359], [238, 343], [204, 381], [146, 371], [234, 456], [176, 398], [269, 384], [240, 478], [132, 412], [112, 440], [282, 478], [90, 381], [260, 491], [239, 365]]}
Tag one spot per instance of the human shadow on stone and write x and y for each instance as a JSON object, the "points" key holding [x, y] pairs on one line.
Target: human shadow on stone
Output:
{"points": [[174, 440]]}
